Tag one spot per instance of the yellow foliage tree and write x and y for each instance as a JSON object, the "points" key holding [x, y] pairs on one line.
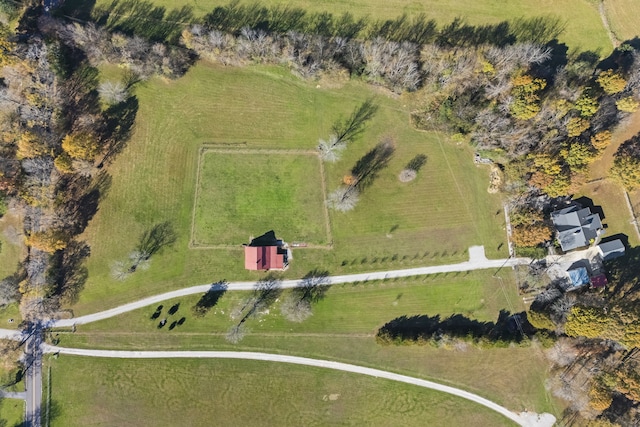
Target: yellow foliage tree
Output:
{"points": [[626, 170], [576, 126], [587, 105], [81, 145], [526, 103], [6, 47], [63, 163], [627, 105], [50, 240], [29, 146], [611, 82], [578, 156], [540, 320], [601, 140], [599, 397]]}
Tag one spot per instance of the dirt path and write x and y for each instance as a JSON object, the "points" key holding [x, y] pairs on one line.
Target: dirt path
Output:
{"points": [[605, 23], [525, 419]]}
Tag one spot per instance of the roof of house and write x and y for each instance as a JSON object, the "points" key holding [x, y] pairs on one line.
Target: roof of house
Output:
{"points": [[579, 276], [599, 281], [262, 258], [612, 249], [576, 226]]}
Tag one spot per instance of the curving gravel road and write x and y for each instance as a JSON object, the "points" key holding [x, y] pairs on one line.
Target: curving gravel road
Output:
{"points": [[477, 262], [525, 419]]}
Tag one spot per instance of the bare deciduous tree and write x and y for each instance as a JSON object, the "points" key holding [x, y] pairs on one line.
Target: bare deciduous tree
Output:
{"points": [[113, 92], [343, 199]]}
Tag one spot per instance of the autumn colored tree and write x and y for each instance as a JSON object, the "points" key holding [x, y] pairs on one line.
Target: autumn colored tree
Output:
{"points": [[600, 397], [577, 125], [587, 105], [29, 146], [50, 240], [531, 235], [526, 103], [611, 82], [627, 104], [626, 170], [540, 320], [577, 156], [81, 145], [63, 163], [601, 140]]}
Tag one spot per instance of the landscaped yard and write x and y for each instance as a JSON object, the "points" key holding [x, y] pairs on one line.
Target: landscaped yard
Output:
{"points": [[91, 391], [257, 191], [432, 220]]}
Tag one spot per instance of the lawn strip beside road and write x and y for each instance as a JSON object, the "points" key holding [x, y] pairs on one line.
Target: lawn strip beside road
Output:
{"points": [[239, 286]]}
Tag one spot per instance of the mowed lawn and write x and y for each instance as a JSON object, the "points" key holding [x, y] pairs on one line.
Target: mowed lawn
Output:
{"points": [[247, 193], [584, 28], [343, 326], [623, 16], [432, 220], [11, 412], [92, 391]]}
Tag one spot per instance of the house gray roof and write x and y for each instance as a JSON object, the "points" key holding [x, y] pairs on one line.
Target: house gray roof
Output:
{"points": [[576, 226], [612, 249]]}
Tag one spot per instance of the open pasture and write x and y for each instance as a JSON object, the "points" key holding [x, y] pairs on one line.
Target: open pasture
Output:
{"points": [[91, 391], [431, 220]]}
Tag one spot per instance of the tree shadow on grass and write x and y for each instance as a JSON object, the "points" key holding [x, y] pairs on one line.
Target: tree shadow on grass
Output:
{"points": [[424, 328], [210, 299]]}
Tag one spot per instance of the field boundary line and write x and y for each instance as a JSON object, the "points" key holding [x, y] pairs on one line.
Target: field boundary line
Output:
{"points": [[217, 148]]}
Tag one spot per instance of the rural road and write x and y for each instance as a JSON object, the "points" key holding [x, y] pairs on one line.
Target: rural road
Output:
{"points": [[477, 261], [525, 419]]}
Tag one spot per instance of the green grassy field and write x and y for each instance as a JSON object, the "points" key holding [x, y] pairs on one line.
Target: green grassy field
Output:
{"points": [[11, 412], [249, 189], [623, 18], [225, 392], [342, 327], [432, 220]]}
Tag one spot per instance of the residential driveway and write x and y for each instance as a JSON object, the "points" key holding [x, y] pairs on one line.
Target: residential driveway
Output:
{"points": [[525, 419], [13, 394], [477, 261]]}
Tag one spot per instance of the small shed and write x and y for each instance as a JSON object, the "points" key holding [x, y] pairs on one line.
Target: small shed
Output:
{"points": [[611, 250], [579, 277]]}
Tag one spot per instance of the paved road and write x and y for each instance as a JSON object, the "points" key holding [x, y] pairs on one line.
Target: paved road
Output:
{"points": [[33, 377], [11, 334], [525, 419], [477, 262]]}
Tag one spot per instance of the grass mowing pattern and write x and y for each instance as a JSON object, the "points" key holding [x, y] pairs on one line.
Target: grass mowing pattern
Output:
{"points": [[247, 193], [623, 18], [232, 393]]}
